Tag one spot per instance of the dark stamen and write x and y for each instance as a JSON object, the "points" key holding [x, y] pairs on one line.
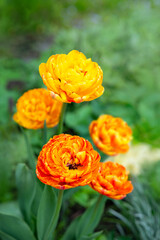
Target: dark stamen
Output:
{"points": [[73, 166]]}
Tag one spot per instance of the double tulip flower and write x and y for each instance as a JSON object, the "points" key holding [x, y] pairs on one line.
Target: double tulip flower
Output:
{"points": [[111, 135], [36, 106], [72, 77], [69, 161]]}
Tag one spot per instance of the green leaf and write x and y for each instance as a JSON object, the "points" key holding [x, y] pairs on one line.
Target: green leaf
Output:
{"points": [[122, 218], [5, 236], [26, 189], [39, 190], [46, 210], [90, 219], [11, 208], [14, 142], [70, 233], [94, 235], [15, 228]]}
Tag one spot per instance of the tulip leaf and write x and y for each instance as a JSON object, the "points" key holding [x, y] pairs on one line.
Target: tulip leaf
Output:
{"points": [[37, 197], [70, 233], [90, 218], [26, 190], [11, 208], [46, 210], [5, 236], [92, 236], [14, 228]]}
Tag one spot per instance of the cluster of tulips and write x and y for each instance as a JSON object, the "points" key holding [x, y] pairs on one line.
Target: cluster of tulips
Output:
{"points": [[67, 161]]}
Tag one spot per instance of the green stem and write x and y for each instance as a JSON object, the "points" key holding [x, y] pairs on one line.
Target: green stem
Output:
{"points": [[45, 133], [60, 125], [95, 209], [55, 217], [31, 158], [97, 204]]}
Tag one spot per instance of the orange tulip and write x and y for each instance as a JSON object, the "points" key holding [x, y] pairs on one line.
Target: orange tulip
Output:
{"points": [[67, 161], [36, 106], [72, 77], [111, 135], [112, 181]]}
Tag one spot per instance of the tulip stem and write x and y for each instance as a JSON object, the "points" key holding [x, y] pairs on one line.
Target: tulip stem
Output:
{"points": [[45, 133], [60, 125], [31, 159], [99, 199], [55, 217]]}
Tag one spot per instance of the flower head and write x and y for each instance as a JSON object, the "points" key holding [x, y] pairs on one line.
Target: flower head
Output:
{"points": [[111, 135], [67, 161], [112, 180], [72, 77], [34, 107]]}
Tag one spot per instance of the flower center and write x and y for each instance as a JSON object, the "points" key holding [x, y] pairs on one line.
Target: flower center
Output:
{"points": [[73, 166]]}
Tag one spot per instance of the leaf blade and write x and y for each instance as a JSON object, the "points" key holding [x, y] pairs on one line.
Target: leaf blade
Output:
{"points": [[15, 227], [26, 190], [90, 219], [46, 210]]}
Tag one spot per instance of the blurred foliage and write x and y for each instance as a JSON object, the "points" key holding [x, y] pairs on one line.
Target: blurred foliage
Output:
{"points": [[85, 197], [13, 151], [23, 17], [17, 76], [151, 175], [139, 214]]}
